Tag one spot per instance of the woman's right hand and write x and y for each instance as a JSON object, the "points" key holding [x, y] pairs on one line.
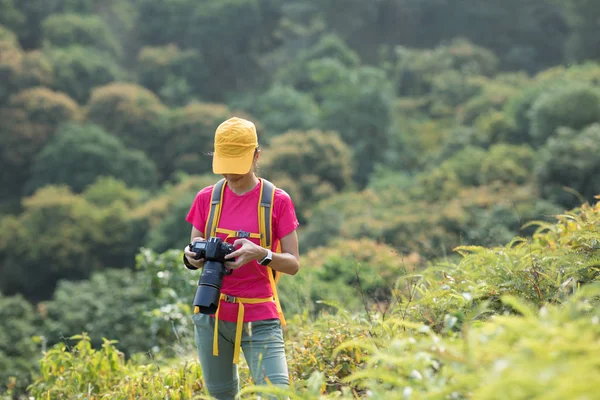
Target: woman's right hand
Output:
{"points": [[190, 254]]}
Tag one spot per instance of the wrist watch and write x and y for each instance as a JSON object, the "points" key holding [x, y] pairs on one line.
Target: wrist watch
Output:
{"points": [[267, 259]]}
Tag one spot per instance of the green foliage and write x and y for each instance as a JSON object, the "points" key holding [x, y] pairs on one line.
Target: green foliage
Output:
{"points": [[492, 97], [492, 214], [99, 154], [499, 320], [71, 241], [358, 106], [570, 160], [172, 73], [104, 372], [105, 191], [10, 61], [191, 137], [79, 69], [328, 276], [231, 54], [66, 30], [135, 115], [171, 233], [111, 303], [401, 130], [324, 154], [329, 47], [8, 36], [36, 70], [574, 106], [18, 348], [508, 163], [10, 15], [416, 71], [280, 109], [582, 17], [26, 125], [171, 288]]}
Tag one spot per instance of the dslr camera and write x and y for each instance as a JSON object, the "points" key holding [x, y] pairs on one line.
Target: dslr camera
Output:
{"points": [[208, 291]]}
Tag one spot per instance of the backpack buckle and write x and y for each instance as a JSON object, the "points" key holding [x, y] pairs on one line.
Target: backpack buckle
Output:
{"points": [[229, 299], [242, 234]]}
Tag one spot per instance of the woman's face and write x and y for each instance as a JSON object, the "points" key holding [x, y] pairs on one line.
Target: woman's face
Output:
{"points": [[235, 178]]}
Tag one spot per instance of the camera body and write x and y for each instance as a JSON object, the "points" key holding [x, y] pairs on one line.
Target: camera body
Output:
{"points": [[208, 292], [213, 249]]}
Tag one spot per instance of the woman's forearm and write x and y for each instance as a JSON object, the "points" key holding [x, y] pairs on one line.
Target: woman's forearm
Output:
{"points": [[284, 262]]}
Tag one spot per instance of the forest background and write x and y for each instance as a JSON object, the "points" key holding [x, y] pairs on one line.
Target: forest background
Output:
{"points": [[401, 128]]}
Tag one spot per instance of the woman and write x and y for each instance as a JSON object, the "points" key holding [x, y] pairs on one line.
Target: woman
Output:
{"points": [[235, 157]]}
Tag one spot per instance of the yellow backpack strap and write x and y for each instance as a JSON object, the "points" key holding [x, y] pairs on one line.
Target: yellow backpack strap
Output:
{"points": [[265, 224], [215, 209]]}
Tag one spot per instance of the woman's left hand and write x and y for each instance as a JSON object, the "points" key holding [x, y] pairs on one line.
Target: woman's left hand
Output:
{"points": [[247, 252]]}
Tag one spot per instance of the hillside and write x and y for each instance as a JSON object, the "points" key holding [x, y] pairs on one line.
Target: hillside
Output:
{"points": [[419, 141], [519, 321]]}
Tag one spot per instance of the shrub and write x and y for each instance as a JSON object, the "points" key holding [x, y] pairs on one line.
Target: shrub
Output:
{"points": [[105, 373]]}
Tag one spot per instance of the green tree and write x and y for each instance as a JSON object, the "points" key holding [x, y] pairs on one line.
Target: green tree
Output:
{"points": [[11, 16], [572, 105], [311, 165], [415, 71], [106, 190], [21, 69], [582, 17], [359, 108], [112, 304], [329, 47], [466, 164], [68, 29], [280, 109], [18, 349], [6, 35], [508, 163], [64, 230], [173, 232], [232, 56], [72, 238], [570, 160], [174, 74], [191, 137], [135, 115], [492, 96], [11, 56], [160, 221], [36, 70], [27, 123], [98, 154], [79, 69]]}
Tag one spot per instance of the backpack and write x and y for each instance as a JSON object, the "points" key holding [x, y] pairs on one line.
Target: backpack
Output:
{"points": [[265, 224]]}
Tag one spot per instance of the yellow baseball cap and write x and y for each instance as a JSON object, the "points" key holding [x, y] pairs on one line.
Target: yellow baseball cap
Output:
{"points": [[235, 142]]}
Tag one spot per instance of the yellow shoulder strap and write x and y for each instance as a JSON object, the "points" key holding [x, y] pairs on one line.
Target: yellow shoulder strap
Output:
{"points": [[265, 224]]}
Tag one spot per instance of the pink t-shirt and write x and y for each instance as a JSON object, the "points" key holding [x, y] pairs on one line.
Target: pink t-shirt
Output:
{"points": [[241, 213]]}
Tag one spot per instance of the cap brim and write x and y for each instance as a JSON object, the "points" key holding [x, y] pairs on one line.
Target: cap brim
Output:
{"points": [[235, 165]]}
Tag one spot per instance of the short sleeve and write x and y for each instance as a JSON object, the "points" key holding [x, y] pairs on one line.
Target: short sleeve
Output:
{"points": [[285, 217], [198, 210]]}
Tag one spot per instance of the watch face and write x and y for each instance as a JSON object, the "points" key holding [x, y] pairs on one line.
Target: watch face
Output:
{"points": [[267, 259]]}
